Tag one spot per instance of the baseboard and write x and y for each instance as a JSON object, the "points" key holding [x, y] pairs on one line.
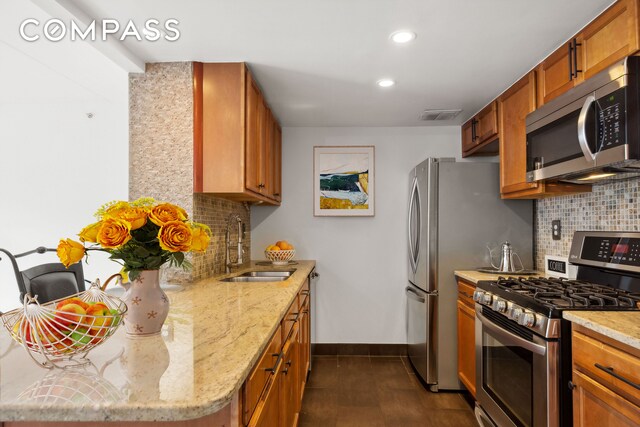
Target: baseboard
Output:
{"points": [[346, 349]]}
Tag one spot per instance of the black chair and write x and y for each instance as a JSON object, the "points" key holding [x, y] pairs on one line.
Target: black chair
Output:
{"points": [[48, 281]]}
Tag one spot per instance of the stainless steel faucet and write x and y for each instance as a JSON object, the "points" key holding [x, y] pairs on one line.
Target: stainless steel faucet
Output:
{"points": [[241, 229]]}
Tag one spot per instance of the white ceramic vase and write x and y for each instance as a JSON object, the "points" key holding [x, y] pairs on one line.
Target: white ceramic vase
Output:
{"points": [[148, 305]]}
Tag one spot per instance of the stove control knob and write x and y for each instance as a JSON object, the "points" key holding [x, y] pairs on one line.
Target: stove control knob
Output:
{"points": [[499, 305], [515, 312], [527, 319], [487, 298], [477, 296]]}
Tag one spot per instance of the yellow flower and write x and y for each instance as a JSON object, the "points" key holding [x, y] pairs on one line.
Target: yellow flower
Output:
{"points": [[201, 236], [137, 217], [116, 208], [89, 233], [175, 236], [114, 233], [166, 212], [69, 251]]}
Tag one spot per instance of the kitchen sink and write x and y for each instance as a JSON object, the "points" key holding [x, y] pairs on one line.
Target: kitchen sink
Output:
{"points": [[261, 276]]}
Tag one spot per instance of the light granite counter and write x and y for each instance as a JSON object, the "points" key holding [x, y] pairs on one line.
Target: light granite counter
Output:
{"points": [[623, 326], [474, 276], [213, 336]]}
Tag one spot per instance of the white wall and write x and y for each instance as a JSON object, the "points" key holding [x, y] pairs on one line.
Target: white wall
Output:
{"points": [[57, 166], [362, 261]]}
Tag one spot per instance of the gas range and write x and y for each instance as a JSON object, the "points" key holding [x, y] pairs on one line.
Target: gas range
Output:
{"points": [[534, 301], [522, 339]]}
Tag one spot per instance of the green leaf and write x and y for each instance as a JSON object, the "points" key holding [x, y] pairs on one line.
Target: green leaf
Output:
{"points": [[141, 252], [133, 274], [153, 262], [179, 257]]}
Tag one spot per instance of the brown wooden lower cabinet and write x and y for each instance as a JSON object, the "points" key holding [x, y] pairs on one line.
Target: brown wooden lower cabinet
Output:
{"points": [[466, 336], [280, 398], [601, 397]]}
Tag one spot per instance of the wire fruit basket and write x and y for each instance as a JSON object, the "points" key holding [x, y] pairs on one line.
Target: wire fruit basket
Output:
{"points": [[61, 333], [280, 257]]}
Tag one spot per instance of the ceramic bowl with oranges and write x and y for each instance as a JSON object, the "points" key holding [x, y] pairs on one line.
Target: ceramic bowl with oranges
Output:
{"points": [[280, 253]]}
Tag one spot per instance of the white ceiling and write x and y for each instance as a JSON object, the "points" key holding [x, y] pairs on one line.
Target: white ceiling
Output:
{"points": [[318, 61]]}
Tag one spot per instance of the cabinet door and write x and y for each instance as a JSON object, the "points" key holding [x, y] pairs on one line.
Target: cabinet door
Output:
{"points": [[289, 396], [594, 405], [255, 115], [467, 347], [487, 123], [267, 413], [609, 38], [304, 347], [467, 136], [514, 105], [277, 161], [268, 155], [554, 75]]}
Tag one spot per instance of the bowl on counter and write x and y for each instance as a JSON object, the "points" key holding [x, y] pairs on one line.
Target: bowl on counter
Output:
{"points": [[280, 257]]}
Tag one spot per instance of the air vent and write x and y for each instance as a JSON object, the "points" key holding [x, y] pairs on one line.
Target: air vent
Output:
{"points": [[430, 115]]}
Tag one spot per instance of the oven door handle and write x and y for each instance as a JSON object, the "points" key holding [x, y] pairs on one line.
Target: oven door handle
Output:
{"points": [[508, 336]]}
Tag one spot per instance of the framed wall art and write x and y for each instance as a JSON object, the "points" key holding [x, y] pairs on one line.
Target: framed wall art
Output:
{"points": [[343, 180]]}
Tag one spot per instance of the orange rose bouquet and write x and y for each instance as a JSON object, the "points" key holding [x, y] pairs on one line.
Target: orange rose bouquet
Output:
{"points": [[140, 235]]}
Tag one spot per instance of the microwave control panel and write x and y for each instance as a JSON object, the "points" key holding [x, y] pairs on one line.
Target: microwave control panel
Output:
{"points": [[612, 250], [611, 119]]}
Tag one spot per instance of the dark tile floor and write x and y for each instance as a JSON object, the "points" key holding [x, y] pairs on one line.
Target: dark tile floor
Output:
{"points": [[376, 391]]}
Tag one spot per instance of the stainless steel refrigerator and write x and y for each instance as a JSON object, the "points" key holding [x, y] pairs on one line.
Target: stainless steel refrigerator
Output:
{"points": [[455, 211]]}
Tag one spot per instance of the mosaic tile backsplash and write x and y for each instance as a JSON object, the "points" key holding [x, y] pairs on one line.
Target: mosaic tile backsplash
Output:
{"points": [[161, 161], [611, 207]]}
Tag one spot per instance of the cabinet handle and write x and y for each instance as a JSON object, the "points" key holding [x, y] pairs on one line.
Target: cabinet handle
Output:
{"points": [[473, 130], [288, 363], [285, 371], [570, 58], [275, 365], [314, 274], [276, 194], [609, 370], [295, 319], [307, 293], [466, 294], [571, 385], [261, 185], [575, 58]]}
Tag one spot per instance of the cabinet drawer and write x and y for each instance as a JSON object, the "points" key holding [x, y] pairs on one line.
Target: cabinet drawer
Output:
{"points": [[261, 374], [607, 364], [465, 292]]}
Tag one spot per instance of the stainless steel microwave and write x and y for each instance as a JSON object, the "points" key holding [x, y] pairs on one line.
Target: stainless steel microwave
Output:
{"points": [[590, 133]]}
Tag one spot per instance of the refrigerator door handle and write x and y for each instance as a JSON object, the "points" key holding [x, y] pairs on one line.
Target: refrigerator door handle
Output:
{"points": [[412, 233], [414, 295]]}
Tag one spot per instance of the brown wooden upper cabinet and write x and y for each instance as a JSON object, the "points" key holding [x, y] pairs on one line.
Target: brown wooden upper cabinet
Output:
{"points": [[610, 37], [237, 137], [480, 133], [514, 105]]}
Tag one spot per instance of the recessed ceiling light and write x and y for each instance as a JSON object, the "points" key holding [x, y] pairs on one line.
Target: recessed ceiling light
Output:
{"points": [[385, 82], [402, 36]]}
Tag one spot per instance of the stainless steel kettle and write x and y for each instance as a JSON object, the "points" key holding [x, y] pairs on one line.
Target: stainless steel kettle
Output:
{"points": [[506, 259]]}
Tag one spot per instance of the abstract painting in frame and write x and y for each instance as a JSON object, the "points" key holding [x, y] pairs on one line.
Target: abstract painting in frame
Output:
{"points": [[343, 179]]}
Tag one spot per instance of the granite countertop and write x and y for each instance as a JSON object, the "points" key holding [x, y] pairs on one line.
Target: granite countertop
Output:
{"points": [[474, 276], [214, 335], [623, 326]]}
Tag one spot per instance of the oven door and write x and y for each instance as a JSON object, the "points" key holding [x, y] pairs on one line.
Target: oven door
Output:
{"points": [[516, 373]]}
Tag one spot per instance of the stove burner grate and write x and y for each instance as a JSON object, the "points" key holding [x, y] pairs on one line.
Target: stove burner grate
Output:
{"points": [[565, 293]]}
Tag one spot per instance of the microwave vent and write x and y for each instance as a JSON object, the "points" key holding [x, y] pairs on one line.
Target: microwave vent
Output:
{"points": [[432, 115]]}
